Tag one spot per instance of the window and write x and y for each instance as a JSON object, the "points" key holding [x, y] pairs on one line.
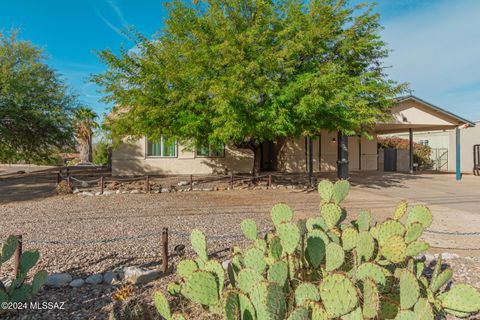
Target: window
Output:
{"points": [[424, 142], [210, 150], [162, 148]]}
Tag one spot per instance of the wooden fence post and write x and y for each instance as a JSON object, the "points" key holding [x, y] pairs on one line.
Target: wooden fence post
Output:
{"points": [[164, 249], [191, 182], [69, 182], [68, 172], [231, 180], [17, 254], [58, 177], [101, 184], [269, 180], [147, 183]]}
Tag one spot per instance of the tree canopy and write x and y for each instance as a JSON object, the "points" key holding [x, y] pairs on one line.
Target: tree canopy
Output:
{"points": [[249, 71], [35, 106]]}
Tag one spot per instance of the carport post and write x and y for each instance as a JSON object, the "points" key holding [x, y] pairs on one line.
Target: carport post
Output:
{"points": [[410, 148], [458, 171], [342, 156]]}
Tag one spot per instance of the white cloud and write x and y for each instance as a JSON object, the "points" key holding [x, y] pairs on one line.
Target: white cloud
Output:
{"points": [[437, 50], [110, 24]]}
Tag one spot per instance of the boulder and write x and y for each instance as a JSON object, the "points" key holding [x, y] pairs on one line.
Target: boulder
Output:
{"points": [[138, 275], [58, 280], [183, 183], [94, 279], [110, 277], [77, 283]]}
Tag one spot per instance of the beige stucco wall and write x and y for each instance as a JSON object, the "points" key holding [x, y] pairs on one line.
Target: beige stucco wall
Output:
{"points": [[130, 159], [468, 138]]}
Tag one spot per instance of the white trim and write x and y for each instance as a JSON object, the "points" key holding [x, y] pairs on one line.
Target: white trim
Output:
{"points": [[161, 150]]}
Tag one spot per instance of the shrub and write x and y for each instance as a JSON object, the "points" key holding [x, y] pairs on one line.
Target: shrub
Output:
{"points": [[64, 188], [19, 290], [323, 268], [101, 153], [421, 153]]}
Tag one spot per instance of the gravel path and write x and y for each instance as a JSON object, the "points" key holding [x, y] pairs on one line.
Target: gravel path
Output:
{"points": [[83, 235]]}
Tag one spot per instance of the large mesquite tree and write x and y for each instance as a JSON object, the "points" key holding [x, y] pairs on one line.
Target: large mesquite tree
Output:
{"points": [[249, 71], [35, 105]]}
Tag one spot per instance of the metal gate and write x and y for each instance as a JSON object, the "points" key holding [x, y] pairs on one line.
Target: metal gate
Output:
{"points": [[440, 159], [389, 159], [476, 159]]}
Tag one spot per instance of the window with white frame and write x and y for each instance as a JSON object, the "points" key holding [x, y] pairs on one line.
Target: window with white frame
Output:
{"points": [[164, 147], [210, 150]]}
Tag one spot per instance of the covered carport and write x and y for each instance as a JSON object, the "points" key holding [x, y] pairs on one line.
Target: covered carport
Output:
{"points": [[414, 114]]}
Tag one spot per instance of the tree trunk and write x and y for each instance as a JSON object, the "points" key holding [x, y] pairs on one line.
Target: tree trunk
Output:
{"points": [[257, 158], [84, 151]]}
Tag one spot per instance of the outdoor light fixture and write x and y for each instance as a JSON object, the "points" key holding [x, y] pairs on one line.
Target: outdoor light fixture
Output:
{"points": [[334, 140]]}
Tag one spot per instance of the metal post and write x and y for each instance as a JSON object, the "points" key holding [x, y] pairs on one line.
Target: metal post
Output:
{"points": [[164, 250], [191, 182], [68, 172], [101, 184], [58, 177], [269, 180], [410, 149], [458, 169], [17, 255], [342, 155], [147, 183]]}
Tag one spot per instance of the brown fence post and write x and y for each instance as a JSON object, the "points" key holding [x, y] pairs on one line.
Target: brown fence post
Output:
{"points": [[58, 177], [269, 180], [231, 180], [191, 182], [164, 249], [69, 182], [16, 255], [101, 184], [147, 183], [68, 172]]}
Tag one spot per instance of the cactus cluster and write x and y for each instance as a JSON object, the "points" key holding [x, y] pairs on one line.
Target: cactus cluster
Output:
{"points": [[19, 290], [324, 268]]}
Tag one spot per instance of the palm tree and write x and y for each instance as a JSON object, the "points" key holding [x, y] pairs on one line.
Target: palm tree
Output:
{"points": [[84, 123]]}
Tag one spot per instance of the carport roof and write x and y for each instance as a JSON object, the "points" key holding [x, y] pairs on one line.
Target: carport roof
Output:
{"points": [[414, 113]]}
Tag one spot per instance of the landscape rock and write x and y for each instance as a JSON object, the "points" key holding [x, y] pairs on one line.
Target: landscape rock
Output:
{"points": [[86, 193], [225, 264], [94, 279], [183, 183], [135, 191], [164, 190], [98, 193], [58, 280], [118, 191], [77, 283], [108, 192], [138, 275], [75, 191], [109, 277]]}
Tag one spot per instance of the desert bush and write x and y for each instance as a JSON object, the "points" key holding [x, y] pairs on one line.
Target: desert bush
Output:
{"points": [[101, 153], [19, 290], [421, 153], [63, 188], [323, 268]]}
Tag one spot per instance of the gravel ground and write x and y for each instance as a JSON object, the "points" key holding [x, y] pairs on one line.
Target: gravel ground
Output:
{"points": [[83, 235]]}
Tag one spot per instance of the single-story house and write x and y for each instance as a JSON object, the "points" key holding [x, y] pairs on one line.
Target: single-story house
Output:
{"points": [[296, 155]]}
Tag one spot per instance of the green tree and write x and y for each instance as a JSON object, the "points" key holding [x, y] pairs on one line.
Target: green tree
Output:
{"points": [[102, 153], [35, 105], [84, 123], [249, 71]]}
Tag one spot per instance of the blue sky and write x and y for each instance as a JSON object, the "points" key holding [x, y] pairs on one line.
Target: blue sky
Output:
{"points": [[436, 44]]}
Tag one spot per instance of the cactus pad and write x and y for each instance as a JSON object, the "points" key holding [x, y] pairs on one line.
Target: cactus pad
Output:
{"points": [[340, 191], [201, 287], [394, 249], [275, 248], [388, 229], [39, 280], [325, 189], [371, 300], [315, 249], [338, 294], [462, 298], [423, 310], [364, 221], [388, 307], [247, 279], [8, 248], [420, 213], [440, 280], [216, 269], [289, 236], [409, 288], [254, 259], [281, 213], [372, 271], [406, 315], [349, 238], [318, 313], [249, 228], [268, 300], [199, 244], [335, 256], [174, 288], [400, 210], [416, 247], [300, 313], [365, 246], [306, 292], [186, 267], [278, 273], [414, 231], [161, 303], [231, 305], [316, 223], [331, 213]]}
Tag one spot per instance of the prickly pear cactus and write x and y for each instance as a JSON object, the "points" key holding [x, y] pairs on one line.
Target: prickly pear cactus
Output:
{"points": [[324, 268], [19, 290]]}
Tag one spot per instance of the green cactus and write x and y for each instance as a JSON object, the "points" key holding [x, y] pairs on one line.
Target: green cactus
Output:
{"points": [[388, 229], [349, 238], [248, 278], [371, 299], [281, 213], [174, 288], [394, 249], [202, 287], [317, 311], [306, 292], [325, 189], [249, 228], [275, 248], [300, 313], [199, 244], [370, 270], [316, 223], [215, 267], [278, 273], [186, 267], [415, 248], [365, 246], [409, 288], [161, 303], [364, 220], [331, 213], [8, 249], [421, 214], [315, 249], [335, 257], [268, 300], [338, 294], [254, 259], [340, 191], [462, 298], [289, 236], [440, 280], [423, 310], [400, 210], [414, 231]]}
